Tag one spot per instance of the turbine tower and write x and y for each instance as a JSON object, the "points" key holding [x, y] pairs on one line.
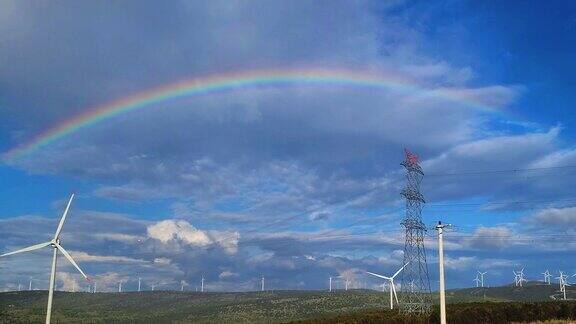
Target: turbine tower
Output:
{"points": [[262, 288], [202, 284], [391, 283], [55, 244], [415, 288]]}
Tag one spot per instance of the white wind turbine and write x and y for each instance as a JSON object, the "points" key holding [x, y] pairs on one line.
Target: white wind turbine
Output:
{"points": [[482, 278], [55, 244], [392, 286], [563, 283], [477, 281], [519, 277], [547, 276]]}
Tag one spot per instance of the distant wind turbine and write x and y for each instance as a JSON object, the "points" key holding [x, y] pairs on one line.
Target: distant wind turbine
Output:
{"points": [[482, 278], [55, 244], [477, 281], [391, 283], [547, 276], [562, 280], [262, 288]]}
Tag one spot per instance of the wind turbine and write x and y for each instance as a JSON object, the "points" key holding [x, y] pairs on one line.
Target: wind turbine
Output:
{"points": [[391, 282], [55, 244], [139, 283], [330, 285], [547, 276], [563, 283], [477, 281], [519, 277], [202, 284], [262, 288], [482, 278]]}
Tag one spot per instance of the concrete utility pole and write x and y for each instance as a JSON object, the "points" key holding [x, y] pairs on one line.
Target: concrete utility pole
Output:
{"points": [[440, 227]]}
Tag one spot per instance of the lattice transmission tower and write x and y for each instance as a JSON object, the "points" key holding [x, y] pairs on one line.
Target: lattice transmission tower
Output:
{"points": [[415, 296]]}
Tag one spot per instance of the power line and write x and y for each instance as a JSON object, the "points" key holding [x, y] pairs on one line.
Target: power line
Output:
{"points": [[472, 172]]}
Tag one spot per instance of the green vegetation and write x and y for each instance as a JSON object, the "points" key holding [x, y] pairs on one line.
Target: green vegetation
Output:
{"points": [[485, 312], [168, 306], [355, 306]]}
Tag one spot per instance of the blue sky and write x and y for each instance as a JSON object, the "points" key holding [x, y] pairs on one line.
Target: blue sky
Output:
{"points": [[293, 183]]}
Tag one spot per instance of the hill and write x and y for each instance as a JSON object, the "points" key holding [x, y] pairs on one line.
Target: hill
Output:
{"points": [[247, 307], [531, 291], [169, 306]]}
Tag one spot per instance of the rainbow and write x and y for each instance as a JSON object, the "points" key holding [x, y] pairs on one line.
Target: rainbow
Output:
{"points": [[225, 83]]}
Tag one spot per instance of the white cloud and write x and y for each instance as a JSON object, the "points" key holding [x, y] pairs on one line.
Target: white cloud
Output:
{"points": [[459, 263], [489, 238], [227, 274], [559, 218], [85, 257], [183, 232], [118, 237], [169, 230], [162, 261]]}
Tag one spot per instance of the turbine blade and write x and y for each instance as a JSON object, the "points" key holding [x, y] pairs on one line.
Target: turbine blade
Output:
{"points": [[377, 275], [67, 255], [397, 272], [59, 229], [27, 249]]}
